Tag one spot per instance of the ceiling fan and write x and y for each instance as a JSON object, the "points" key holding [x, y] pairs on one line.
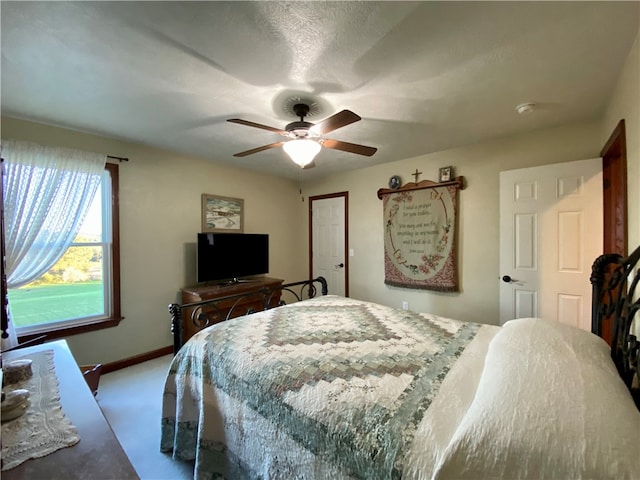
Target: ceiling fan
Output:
{"points": [[306, 138]]}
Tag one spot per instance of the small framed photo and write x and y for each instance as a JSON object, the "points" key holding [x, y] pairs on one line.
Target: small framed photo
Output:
{"points": [[446, 174], [222, 214]]}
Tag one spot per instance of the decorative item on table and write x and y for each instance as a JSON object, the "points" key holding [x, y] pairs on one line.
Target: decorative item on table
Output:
{"points": [[446, 174], [14, 403], [16, 371]]}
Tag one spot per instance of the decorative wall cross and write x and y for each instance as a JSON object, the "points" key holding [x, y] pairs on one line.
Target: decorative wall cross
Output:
{"points": [[416, 174]]}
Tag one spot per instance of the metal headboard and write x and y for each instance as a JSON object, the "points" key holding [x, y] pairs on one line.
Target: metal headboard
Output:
{"points": [[615, 305], [266, 296]]}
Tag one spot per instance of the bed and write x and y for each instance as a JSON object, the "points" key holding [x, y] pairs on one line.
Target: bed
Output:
{"points": [[337, 388]]}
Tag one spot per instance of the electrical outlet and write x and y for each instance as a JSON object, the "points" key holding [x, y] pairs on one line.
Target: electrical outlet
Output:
{"points": [[405, 305]]}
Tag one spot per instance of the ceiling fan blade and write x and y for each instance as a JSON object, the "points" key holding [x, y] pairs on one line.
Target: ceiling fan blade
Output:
{"points": [[348, 147], [256, 150], [340, 119], [258, 125]]}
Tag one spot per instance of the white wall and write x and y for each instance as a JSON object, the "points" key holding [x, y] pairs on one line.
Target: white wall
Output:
{"points": [[160, 207], [478, 216], [625, 104]]}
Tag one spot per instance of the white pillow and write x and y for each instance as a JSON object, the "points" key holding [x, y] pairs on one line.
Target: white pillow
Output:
{"points": [[549, 405]]}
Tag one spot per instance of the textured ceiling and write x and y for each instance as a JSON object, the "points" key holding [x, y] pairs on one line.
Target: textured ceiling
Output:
{"points": [[424, 76]]}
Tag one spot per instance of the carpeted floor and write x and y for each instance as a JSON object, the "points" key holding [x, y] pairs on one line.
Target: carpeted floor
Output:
{"points": [[131, 400]]}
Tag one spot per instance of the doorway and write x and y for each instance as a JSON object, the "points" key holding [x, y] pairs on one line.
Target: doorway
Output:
{"points": [[614, 183], [328, 240], [551, 222]]}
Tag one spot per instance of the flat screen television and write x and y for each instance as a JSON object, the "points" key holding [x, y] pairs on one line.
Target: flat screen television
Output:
{"points": [[230, 256]]}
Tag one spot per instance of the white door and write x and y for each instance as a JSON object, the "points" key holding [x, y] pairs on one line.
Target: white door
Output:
{"points": [[328, 231], [550, 234]]}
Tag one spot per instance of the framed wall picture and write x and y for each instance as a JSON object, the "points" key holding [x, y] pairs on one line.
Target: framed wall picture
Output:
{"points": [[222, 214], [446, 174]]}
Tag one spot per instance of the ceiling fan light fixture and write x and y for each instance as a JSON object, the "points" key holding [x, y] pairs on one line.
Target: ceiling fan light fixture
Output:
{"points": [[302, 151]]}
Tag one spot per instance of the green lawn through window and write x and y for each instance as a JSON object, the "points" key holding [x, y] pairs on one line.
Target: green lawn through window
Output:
{"points": [[46, 303]]}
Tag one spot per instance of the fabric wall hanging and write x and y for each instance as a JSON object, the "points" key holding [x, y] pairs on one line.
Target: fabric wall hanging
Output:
{"points": [[420, 235]]}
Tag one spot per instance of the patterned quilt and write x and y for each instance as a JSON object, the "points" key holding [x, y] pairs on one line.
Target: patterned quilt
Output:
{"points": [[329, 387]]}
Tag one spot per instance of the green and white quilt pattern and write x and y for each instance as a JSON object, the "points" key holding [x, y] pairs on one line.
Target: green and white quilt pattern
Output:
{"points": [[330, 387]]}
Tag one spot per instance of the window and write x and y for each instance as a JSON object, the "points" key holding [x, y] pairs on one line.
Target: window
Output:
{"points": [[81, 292]]}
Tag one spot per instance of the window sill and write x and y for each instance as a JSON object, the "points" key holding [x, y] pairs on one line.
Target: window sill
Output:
{"points": [[69, 331]]}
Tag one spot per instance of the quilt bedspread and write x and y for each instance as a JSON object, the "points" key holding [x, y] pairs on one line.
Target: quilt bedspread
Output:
{"points": [[330, 387]]}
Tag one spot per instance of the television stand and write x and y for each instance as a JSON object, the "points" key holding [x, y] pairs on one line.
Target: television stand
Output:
{"points": [[249, 303]]}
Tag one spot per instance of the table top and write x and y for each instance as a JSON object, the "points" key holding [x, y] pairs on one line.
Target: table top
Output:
{"points": [[98, 455]]}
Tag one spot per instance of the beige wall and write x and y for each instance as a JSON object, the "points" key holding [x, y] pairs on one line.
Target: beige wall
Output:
{"points": [[478, 203], [159, 218], [478, 214], [625, 104]]}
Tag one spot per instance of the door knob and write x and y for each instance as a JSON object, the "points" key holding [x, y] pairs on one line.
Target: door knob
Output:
{"points": [[341, 265], [507, 279]]}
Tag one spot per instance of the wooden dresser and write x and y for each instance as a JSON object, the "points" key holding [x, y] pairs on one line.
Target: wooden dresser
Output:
{"points": [[97, 455], [218, 314]]}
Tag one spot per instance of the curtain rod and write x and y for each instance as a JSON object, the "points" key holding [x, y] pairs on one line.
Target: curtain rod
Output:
{"points": [[122, 159]]}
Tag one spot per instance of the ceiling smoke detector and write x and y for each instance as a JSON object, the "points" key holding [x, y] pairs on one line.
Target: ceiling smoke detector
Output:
{"points": [[525, 108]]}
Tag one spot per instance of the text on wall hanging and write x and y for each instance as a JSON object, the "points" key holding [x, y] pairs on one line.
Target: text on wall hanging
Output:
{"points": [[420, 235]]}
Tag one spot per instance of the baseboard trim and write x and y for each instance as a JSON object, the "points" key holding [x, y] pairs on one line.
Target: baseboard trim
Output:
{"points": [[128, 362]]}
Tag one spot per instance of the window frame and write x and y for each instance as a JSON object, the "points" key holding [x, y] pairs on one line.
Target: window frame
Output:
{"points": [[116, 316]]}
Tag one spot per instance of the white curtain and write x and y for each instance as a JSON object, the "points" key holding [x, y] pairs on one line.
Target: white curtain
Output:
{"points": [[47, 192]]}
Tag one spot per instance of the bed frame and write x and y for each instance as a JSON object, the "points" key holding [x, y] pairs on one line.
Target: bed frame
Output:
{"points": [[203, 311], [615, 305]]}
